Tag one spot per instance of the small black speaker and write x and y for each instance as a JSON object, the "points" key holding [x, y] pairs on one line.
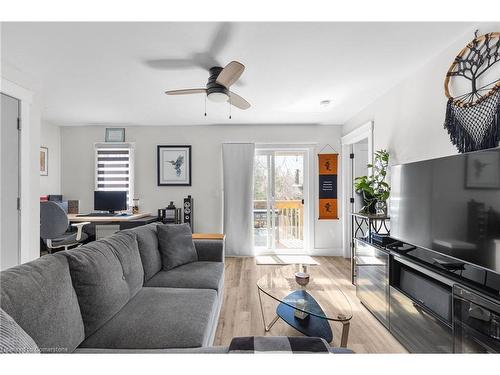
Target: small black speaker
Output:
{"points": [[188, 211]]}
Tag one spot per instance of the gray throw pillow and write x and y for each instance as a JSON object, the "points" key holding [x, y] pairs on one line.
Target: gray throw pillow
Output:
{"points": [[13, 339], [176, 245]]}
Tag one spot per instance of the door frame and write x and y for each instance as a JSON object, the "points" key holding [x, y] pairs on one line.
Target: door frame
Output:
{"points": [[308, 192], [364, 131], [29, 233]]}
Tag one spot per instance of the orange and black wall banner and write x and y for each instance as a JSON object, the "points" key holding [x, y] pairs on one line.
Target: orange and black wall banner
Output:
{"points": [[328, 186]]}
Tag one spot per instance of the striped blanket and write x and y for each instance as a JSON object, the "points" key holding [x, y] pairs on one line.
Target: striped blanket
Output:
{"points": [[278, 344]]}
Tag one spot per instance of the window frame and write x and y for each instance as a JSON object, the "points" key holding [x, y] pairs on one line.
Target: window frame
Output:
{"points": [[131, 155]]}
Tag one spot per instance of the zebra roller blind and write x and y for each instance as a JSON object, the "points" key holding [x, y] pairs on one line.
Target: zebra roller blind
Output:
{"points": [[114, 169]]}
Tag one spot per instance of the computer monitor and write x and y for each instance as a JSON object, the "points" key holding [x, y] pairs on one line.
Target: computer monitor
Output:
{"points": [[110, 201]]}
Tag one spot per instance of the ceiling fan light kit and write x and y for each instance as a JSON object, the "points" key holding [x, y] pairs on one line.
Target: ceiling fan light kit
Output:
{"points": [[218, 97], [217, 88], [215, 91]]}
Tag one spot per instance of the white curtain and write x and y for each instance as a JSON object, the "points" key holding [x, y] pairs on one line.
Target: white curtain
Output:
{"points": [[237, 161]]}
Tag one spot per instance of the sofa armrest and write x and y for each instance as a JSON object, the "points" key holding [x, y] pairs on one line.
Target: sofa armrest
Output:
{"points": [[210, 250]]}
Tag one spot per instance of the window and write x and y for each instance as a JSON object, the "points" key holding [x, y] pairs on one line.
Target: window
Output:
{"points": [[114, 168]]}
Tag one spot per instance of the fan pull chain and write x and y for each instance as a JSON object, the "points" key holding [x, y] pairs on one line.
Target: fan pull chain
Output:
{"points": [[205, 106], [230, 108]]}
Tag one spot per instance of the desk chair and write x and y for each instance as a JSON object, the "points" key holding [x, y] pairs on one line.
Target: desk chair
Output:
{"points": [[55, 230]]}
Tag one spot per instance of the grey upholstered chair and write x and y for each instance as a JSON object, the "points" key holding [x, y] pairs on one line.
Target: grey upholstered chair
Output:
{"points": [[55, 229]]}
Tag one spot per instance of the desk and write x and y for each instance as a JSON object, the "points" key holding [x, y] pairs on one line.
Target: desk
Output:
{"points": [[116, 223], [103, 226], [74, 218]]}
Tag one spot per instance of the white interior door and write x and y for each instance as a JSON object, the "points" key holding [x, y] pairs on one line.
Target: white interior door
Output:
{"points": [[280, 187], [10, 193]]}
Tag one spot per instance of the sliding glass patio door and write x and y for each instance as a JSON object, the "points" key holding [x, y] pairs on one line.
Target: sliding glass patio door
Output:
{"points": [[279, 201]]}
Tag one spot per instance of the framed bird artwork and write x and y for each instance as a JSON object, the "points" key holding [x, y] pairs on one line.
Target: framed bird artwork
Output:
{"points": [[174, 165]]}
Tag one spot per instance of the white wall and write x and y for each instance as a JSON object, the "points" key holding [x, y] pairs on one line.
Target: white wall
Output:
{"points": [[409, 118], [50, 137], [78, 168]]}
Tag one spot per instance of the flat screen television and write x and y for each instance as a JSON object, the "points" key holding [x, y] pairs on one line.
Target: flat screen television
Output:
{"points": [[450, 205], [110, 201]]}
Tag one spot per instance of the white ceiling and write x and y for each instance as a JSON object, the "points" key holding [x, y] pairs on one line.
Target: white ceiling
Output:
{"points": [[101, 73]]}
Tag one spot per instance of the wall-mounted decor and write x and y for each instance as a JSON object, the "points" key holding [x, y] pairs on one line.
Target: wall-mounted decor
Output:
{"points": [[482, 170], [473, 91], [44, 161], [115, 135], [174, 165], [327, 186]]}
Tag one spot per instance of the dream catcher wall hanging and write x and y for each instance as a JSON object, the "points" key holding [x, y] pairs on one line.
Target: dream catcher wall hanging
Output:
{"points": [[472, 87]]}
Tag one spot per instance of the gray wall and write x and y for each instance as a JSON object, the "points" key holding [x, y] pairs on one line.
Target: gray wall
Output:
{"points": [[78, 167]]}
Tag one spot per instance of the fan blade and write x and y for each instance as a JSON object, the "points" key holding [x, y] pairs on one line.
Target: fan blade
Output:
{"points": [[186, 91], [220, 38], [238, 101], [230, 73], [171, 64], [204, 60]]}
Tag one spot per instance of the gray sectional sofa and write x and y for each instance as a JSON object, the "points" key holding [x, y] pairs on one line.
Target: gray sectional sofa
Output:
{"points": [[113, 295]]}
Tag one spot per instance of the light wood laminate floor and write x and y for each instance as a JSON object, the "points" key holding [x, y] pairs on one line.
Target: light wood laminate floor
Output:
{"points": [[241, 316]]}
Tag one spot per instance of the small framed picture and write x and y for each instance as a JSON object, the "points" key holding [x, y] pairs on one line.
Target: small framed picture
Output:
{"points": [[115, 135], [44, 161], [174, 165], [482, 170]]}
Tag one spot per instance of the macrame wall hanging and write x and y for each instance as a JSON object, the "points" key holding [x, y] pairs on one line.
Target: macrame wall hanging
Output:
{"points": [[473, 111]]}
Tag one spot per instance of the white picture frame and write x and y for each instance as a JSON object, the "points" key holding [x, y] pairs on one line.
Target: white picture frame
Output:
{"points": [[174, 165], [44, 161], [115, 135]]}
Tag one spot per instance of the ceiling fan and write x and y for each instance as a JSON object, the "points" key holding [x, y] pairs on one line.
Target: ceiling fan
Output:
{"points": [[217, 88]]}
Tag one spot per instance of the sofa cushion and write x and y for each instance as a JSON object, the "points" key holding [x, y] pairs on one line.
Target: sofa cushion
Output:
{"points": [[198, 275], [39, 296], [13, 339], [106, 274], [147, 241], [160, 318], [176, 245]]}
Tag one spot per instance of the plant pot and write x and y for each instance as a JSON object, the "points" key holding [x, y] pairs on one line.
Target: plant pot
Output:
{"points": [[369, 203], [359, 202]]}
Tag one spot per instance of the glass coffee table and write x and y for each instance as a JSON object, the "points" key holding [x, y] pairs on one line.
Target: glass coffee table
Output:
{"points": [[310, 308]]}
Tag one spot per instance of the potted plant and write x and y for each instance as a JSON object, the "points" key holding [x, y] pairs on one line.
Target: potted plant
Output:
{"points": [[374, 190]]}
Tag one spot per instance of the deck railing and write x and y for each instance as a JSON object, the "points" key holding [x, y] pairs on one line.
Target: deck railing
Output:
{"points": [[289, 219]]}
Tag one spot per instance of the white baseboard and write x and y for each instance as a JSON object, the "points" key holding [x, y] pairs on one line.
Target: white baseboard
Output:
{"points": [[332, 252], [335, 252]]}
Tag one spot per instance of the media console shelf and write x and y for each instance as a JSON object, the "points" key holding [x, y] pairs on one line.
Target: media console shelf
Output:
{"points": [[410, 300], [362, 227]]}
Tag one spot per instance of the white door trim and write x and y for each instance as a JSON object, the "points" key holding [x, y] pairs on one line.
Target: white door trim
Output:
{"points": [[28, 250], [365, 131]]}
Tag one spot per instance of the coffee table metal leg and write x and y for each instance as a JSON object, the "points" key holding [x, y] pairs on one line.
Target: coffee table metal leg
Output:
{"points": [[345, 334], [267, 328], [275, 319]]}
